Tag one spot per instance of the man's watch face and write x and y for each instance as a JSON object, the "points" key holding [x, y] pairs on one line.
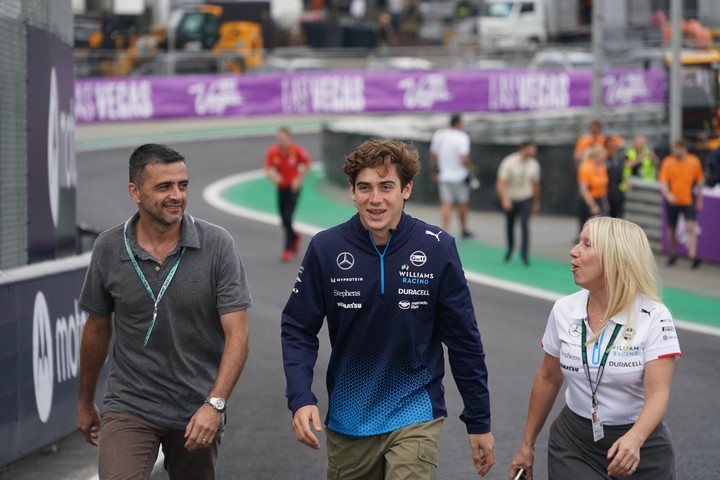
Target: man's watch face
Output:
{"points": [[217, 403]]}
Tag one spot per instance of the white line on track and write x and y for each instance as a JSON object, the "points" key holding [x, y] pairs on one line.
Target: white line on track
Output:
{"points": [[213, 196]]}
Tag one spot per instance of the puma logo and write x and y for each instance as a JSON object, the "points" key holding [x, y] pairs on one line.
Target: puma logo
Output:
{"points": [[642, 310], [436, 235]]}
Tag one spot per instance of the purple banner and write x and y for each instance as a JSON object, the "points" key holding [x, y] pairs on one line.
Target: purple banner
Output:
{"points": [[145, 98], [41, 355], [708, 228]]}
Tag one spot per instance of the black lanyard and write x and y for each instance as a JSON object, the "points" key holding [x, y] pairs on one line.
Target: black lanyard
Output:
{"points": [[601, 369]]}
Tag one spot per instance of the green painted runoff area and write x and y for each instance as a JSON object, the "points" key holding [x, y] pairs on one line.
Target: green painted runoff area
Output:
{"points": [[196, 133], [321, 210]]}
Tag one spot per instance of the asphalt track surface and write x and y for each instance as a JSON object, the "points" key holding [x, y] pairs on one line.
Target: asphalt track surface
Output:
{"points": [[258, 443]]}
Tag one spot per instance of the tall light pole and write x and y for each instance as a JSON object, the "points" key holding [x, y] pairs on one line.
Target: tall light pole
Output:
{"points": [[598, 51], [675, 107]]}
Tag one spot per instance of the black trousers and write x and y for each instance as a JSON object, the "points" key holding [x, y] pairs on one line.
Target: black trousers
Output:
{"points": [[616, 202], [523, 209], [287, 201]]}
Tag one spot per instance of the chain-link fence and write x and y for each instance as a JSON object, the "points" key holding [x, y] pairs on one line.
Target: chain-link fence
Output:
{"points": [[55, 18]]}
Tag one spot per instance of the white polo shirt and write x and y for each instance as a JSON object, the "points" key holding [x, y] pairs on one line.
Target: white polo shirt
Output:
{"points": [[519, 176], [620, 394], [449, 144]]}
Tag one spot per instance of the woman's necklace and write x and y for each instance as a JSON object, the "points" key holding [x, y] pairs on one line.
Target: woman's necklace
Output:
{"points": [[594, 318]]}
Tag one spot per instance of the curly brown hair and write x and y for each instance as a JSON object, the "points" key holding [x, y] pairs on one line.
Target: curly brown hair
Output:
{"points": [[383, 153]]}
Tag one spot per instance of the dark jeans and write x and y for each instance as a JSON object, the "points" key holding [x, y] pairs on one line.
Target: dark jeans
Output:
{"points": [[287, 201], [523, 208], [616, 202]]}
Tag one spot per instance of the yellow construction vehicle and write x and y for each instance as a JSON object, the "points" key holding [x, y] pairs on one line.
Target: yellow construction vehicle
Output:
{"points": [[218, 36], [232, 31]]}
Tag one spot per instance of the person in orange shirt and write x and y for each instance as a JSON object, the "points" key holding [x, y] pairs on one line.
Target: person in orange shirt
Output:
{"points": [[680, 173], [592, 182], [286, 165], [594, 137]]}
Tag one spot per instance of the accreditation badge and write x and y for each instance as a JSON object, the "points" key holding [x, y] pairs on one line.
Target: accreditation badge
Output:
{"points": [[597, 425]]}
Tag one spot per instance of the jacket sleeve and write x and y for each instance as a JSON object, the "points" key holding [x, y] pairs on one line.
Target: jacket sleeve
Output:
{"points": [[301, 321], [459, 332]]}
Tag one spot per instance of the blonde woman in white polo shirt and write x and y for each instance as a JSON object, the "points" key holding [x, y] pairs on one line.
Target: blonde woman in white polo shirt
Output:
{"points": [[615, 344]]}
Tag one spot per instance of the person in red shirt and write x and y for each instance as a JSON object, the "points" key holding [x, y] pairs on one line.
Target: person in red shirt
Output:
{"points": [[680, 174], [286, 164]]}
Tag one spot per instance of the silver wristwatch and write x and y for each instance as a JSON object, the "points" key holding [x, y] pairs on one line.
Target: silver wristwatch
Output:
{"points": [[217, 403]]}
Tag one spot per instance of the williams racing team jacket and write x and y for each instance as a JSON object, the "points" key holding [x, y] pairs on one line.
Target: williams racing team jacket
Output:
{"points": [[388, 309]]}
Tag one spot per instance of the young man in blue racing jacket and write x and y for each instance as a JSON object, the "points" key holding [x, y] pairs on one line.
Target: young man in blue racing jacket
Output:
{"points": [[393, 290]]}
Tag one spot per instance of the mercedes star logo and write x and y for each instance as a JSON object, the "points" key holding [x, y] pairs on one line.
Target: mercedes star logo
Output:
{"points": [[345, 260], [574, 330]]}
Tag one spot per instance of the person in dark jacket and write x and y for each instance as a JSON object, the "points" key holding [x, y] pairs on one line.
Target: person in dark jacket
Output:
{"points": [[713, 168], [393, 291]]}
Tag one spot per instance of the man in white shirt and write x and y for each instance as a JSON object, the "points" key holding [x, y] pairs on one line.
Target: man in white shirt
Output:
{"points": [[518, 187], [358, 9], [450, 162], [395, 7]]}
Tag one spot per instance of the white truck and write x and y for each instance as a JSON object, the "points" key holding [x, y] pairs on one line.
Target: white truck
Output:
{"points": [[519, 23]]}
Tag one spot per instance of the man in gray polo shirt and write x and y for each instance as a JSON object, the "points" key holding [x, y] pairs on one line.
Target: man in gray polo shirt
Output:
{"points": [[173, 289]]}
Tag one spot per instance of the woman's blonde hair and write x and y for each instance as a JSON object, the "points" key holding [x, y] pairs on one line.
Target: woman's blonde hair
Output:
{"points": [[623, 250]]}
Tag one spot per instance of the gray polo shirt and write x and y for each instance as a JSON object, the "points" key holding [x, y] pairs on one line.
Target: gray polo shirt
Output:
{"points": [[166, 381]]}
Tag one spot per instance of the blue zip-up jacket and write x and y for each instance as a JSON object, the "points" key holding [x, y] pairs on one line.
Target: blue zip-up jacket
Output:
{"points": [[389, 309]]}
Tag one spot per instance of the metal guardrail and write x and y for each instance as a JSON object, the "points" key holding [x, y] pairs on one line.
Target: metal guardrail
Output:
{"points": [[449, 56], [642, 206], [564, 126], [95, 63]]}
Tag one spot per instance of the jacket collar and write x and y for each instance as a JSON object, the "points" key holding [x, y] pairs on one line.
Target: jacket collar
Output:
{"points": [[399, 233]]}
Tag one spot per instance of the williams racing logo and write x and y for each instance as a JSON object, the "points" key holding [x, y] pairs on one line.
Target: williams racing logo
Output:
{"points": [[414, 278]]}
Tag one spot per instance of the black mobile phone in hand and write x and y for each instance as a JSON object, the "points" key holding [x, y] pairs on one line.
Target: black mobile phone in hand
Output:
{"points": [[521, 475]]}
